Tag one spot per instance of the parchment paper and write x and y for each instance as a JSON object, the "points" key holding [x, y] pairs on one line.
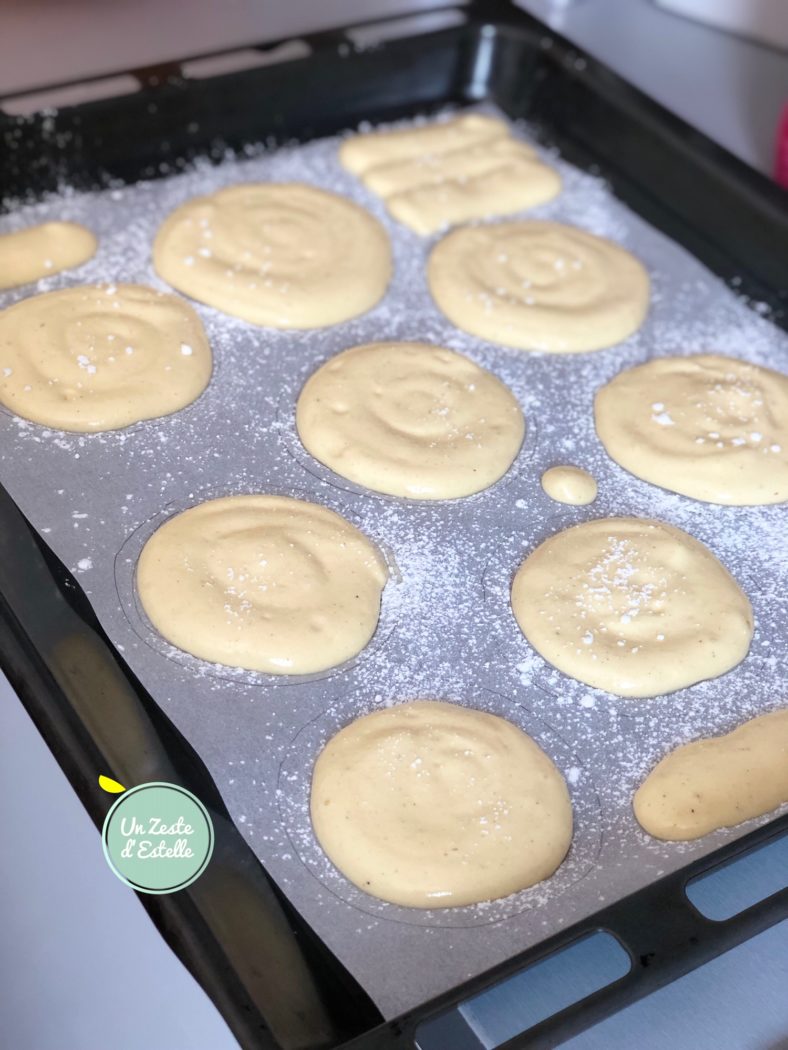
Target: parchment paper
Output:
{"points": [[447, 631]]}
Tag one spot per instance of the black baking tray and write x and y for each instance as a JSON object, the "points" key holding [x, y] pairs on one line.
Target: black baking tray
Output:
{"points": [[276, 984]]}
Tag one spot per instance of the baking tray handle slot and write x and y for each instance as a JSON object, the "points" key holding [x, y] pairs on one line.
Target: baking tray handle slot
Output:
{"points": [[517, 1004], [730, 888], [624, 952]]}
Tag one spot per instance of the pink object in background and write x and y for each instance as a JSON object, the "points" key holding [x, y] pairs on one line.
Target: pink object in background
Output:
{"points": [[781, 150]]}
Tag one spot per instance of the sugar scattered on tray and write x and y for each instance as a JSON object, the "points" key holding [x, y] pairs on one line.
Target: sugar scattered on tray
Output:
{"points": [[452, 633]]}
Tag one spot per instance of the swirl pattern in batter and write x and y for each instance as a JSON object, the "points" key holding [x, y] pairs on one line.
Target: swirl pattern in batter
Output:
{"points": [[633, 606], [434, 805], [710, 427], [285, 255], [539, 286], [410, 419], [100, 357], [267, 583]]}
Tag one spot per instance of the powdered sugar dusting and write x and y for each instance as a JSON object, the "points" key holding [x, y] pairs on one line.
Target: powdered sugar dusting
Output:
{"points": [[447, 630]]}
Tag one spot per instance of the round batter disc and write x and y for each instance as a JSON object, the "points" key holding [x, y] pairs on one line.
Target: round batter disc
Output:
{"points": [[40, 251], [284, 255], [100, 357], [410, 419], [538, 286], [433, 805], [266, 583], [632, 606], [710, 427]]}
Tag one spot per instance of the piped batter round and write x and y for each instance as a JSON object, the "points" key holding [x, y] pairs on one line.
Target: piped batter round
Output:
{"points": [[710, 427], [539, 286], [266, 583], [632, 606], [432, 805], [41, 251], [286, 255], [410, 419], [100, 357]]}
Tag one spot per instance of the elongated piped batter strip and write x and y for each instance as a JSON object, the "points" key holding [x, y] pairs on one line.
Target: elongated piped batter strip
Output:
{"points": [[717, 782]]}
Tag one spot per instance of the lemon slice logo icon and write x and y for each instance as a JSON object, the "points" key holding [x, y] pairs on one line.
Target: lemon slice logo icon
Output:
{"points": [[157, 837]]}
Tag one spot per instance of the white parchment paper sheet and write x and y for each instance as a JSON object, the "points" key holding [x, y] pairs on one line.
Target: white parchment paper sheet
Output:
{"points": [[447, 630]]}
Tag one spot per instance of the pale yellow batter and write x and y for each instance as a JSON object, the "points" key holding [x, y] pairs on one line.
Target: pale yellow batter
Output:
{"points": [[717, 782], [512, 186], [410, 419], [285, 255], [266, 583], [428, 168], [433, 805], [360, 153], [633, 606], [710, 427], [538, 286], [100, 357], [446, 173], [571, 485], [40, 251]]}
